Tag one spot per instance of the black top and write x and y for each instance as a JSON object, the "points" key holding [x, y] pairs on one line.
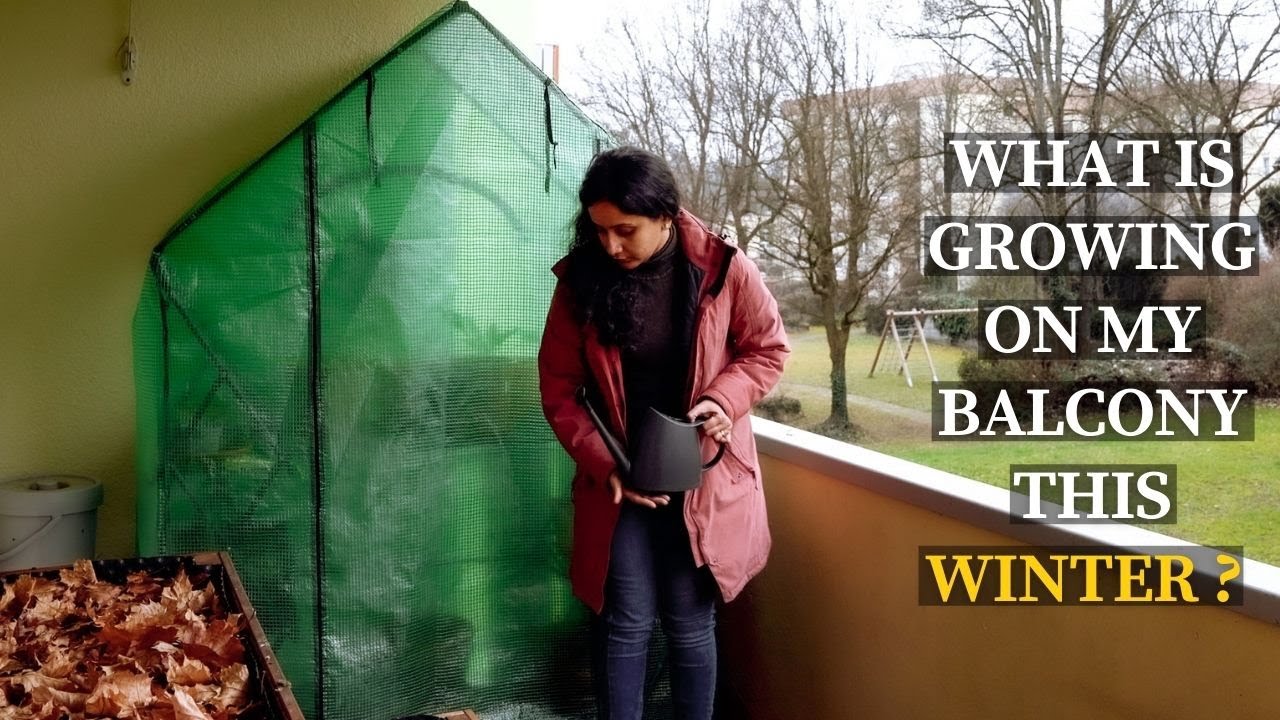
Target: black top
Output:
{"points": [[655, 368]]}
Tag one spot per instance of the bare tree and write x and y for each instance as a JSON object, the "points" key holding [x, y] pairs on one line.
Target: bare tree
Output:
{"points": [[1269, 214], [697, 92], [951, 102], [630, 89], [1048, 74], [1209, 68], [777, 137], [751, 93], [840, 183], [1054, 75]]}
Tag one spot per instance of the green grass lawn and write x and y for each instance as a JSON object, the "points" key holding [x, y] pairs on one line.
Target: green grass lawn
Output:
{"points": [[1228, 492], [810, 364]]}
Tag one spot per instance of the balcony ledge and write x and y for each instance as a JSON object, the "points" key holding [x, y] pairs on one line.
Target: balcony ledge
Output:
{"points": [[982, 505]]}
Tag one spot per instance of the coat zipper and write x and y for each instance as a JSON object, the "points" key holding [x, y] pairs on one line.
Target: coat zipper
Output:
{"points": [[703, 304]]}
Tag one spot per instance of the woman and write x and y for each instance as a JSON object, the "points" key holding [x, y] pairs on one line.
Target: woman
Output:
{"points": [[653, 309]]}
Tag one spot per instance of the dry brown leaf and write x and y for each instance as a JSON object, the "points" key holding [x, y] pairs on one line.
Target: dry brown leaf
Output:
{"points": [[178, 587], [48, 608], [159, 711], [60, 643], [235, 683], [22, 588], [98, 645], [145, 640], [8, 647], [192, 630], [31, 680], [186, 708], [39, 634], [115, 639], [110, 614], [152, 648], [8, 598], [141, 584], [27, 587], [81, 573], [73, 701], [103, 594], [182, 597], [60, 662], [187, 672], [223, 637], [47, 711], [217, 643], [147, 615], [203, 693], [118, 692]]}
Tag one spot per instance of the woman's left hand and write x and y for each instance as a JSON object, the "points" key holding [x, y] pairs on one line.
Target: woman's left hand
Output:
{"points": [[718, 425]]}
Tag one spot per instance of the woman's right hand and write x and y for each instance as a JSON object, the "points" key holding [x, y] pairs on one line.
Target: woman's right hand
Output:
{"points": [[621, 491]]}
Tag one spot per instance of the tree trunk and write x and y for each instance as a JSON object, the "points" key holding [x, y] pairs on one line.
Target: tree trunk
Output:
{"points": [[837, 347]]}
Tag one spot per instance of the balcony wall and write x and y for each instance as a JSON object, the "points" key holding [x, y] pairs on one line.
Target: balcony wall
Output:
{"points": [[833, 629], [95, 172]]}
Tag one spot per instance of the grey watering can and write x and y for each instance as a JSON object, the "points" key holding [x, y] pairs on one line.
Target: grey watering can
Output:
{"points": [[665, 455]]}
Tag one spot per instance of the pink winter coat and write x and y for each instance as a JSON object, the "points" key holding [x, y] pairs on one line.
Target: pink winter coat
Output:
{"points": [[738, 356]]}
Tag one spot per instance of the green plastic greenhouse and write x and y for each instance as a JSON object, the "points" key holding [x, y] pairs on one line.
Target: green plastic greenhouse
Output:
{"points": [[335, 362]]}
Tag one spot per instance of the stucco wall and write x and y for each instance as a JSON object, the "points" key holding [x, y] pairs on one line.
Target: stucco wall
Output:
{"points": [[94, 173]]}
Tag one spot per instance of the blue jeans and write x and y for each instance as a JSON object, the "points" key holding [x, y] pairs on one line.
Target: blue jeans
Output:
{"points": [[651, 574]]}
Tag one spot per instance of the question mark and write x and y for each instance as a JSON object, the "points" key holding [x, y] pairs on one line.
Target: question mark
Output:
{"points": [[1231, 573]]}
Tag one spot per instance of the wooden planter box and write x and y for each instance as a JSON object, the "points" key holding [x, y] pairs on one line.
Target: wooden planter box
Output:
{"points": [[266, 680]]}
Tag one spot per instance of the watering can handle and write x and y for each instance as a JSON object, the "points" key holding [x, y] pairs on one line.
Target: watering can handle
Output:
{"points": [[719, 452], [716, 459], [610, 442]]}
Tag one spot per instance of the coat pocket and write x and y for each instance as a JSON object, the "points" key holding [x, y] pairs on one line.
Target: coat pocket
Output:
{"points": [[740, 470]]}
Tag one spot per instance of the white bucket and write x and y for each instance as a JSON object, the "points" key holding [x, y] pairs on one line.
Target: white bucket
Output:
{"points": [[47, 521]]}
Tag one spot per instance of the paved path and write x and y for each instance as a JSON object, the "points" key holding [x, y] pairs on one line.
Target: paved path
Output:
{"points": [[824, 393]]}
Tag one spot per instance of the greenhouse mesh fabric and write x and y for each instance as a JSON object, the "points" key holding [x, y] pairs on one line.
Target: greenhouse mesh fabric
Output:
{"points": [[335, 362]]}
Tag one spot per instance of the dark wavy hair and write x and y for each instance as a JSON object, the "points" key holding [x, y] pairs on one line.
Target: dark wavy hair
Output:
{"points": [[638, 183]]}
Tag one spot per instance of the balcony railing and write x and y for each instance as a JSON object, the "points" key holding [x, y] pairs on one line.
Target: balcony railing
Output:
{"points": [[833, 627]]}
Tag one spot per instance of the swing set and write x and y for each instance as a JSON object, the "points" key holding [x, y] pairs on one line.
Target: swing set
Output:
{"points": [[914, 329]]}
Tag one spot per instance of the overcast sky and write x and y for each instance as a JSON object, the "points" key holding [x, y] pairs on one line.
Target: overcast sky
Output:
{"points": [[579, 25], [568, 23]]}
